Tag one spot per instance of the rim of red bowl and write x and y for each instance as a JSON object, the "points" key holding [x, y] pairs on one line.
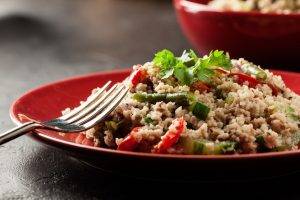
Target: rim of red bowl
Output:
{"points": [[41, 135], [204, 7]]}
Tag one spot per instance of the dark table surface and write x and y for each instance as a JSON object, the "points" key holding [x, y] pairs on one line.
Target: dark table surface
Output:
{"points": [[42, 41]]}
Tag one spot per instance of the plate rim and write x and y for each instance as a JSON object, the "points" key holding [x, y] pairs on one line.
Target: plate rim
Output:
{"points": [[38, 134]]}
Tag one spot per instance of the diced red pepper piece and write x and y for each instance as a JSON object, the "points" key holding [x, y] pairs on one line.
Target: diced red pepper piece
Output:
{"points": [[81, 139], [199, 85], [171, 137], [241, 78], [139, 76], [129, 143]]}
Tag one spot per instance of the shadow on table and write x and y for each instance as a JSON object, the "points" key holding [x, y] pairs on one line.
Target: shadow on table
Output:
{"points": [[63, 176], [19, 28]]}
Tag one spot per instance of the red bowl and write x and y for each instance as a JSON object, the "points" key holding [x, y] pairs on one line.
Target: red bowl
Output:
{"points": [[46, 102], [265, 38]]}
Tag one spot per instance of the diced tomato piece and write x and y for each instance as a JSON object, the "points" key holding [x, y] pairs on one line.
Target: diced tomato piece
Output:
{"points": [[199, 85], [129, 143], [139, 76], [171, 137], [241, 78]]}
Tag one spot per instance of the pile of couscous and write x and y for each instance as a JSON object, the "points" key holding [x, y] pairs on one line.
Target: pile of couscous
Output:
{"points": [[265, 6], [202, 105]]}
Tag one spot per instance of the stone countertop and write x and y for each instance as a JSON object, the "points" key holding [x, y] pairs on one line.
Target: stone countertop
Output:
{"points": [[45, 41]]}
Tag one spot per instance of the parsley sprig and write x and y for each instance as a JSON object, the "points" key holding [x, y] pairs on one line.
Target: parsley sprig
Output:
{"points": [[189, 67]]}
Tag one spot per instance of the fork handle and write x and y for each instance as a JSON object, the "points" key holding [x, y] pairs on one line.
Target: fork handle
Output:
{"points": [[17, 131]]}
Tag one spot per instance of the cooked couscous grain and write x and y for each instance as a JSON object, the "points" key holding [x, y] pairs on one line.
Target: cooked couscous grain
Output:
{"points": [[209, 105]]}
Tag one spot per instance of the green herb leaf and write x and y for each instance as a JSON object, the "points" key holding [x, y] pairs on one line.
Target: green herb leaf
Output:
{"points": [[205, 74], [193, 55], [166, 60], [217, 59], [182, 73], [189, 58], [167, 73], [189, 68], [204, 68]]}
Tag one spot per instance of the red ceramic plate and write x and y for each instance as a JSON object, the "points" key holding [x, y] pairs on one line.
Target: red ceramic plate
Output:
{"points": [[46, 102]]}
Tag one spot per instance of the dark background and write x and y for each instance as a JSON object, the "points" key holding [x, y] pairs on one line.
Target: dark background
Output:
{"points": [[42, 41]]}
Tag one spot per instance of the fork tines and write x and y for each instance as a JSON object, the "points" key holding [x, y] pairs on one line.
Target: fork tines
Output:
{"points": [[97, 106]]}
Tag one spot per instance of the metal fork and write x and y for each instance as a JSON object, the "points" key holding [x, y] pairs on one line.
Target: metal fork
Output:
{"points": [[82, 118]]}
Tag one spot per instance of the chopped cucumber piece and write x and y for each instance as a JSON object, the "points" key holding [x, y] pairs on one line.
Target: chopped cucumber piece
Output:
{"points": [[205, 147], [111, 125], [148, 120], [200, 110], [290, 112], [254, 70], [263, 148]]}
